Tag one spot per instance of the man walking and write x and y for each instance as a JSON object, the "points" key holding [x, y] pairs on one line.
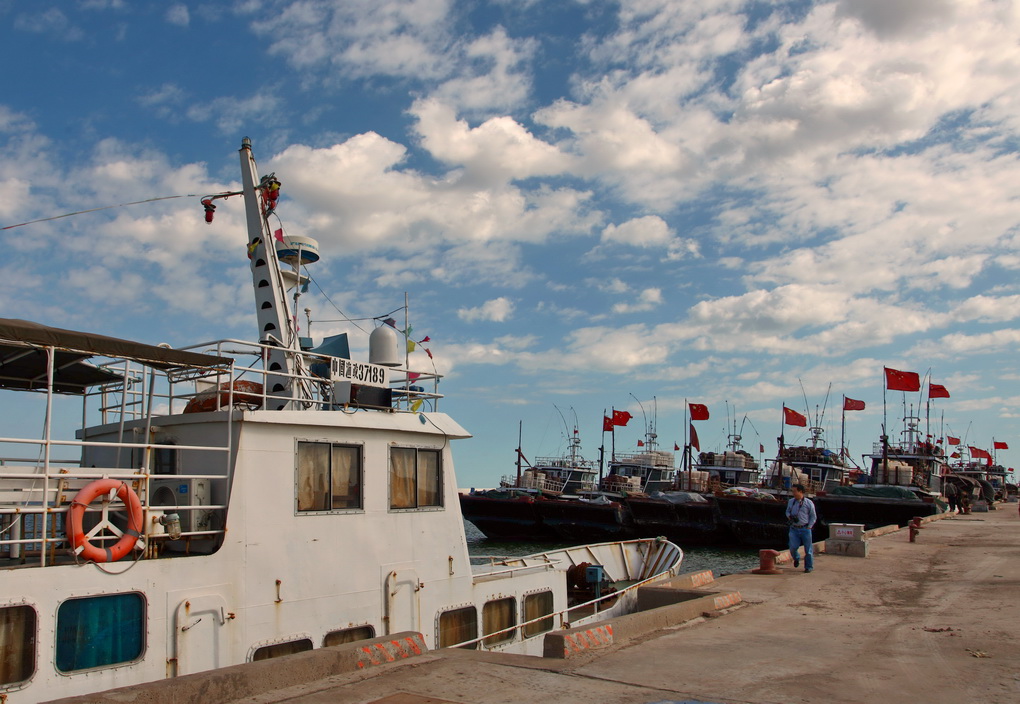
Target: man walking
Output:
{"points": [[800, 514]]}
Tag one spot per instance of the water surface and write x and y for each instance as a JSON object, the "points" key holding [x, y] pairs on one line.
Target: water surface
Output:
{"points": [[721, 561]]}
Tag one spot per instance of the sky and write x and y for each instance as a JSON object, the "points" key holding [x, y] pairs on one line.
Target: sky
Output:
{"points": [[590, 205]]}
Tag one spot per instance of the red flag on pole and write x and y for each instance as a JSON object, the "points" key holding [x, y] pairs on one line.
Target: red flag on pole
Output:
{"points": [[937, 391], [791, 417], [676, 448], [694, 439], [621, 417], [850, 404], [761, 448], [979, 454], [998, 445], [607, 424], [952, 441], [901, 381], [640, 443], [699, 411]]}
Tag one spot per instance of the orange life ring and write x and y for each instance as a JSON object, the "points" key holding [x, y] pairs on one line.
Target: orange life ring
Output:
{"points": [[248, 393], [75, 533]]}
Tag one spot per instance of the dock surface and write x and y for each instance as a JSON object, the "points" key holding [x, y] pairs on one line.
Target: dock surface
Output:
{"points": [[936, 620]]}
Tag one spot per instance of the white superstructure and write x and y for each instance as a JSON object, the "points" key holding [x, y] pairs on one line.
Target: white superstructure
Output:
{"points": [[287, 500]]}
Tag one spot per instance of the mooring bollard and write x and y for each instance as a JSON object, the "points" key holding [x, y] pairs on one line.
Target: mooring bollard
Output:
{"points": [[767, 562], [915, 528]]}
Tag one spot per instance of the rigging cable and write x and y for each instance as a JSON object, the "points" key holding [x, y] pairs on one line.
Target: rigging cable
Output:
{"points": [[105, 207]]}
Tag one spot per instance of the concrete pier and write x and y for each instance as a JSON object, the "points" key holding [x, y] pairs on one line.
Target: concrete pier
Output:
{"points": [[934, 620]]}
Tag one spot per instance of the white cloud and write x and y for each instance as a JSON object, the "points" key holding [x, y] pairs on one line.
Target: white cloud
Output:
{"points": [[648, 231], [498, 150], [497, 310], [647, 299], [405, 38], [177, 14], [50, 22]]}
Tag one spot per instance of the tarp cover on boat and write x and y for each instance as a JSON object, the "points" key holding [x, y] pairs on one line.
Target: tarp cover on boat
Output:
{"points": [[876, 492], [679, 497], [23, 360]]}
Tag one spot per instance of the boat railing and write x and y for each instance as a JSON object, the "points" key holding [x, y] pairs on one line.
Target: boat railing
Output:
{"points": [[565, 463], [314, 377], [907, 447], [533, 481], [658, 459], [37, 494], [582, 612]]}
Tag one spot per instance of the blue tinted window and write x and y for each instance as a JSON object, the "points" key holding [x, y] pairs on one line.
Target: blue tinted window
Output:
{"points": [[98, 631]]}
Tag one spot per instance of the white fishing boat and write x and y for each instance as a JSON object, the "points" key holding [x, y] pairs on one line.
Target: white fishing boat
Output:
{"points": [[236, 501]]}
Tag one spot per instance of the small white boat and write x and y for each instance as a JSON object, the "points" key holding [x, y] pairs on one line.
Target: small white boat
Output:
{"points": [[237, 501]]}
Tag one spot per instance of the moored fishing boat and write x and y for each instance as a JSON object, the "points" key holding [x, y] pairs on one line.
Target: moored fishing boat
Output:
{"points": [[237, 501]]}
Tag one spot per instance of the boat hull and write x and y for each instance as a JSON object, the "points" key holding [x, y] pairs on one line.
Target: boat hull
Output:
{"points": [[515, 518], [689, 523]]}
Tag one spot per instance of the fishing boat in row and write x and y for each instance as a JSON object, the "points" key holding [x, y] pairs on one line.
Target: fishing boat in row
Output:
{"points": [[236, 501]]}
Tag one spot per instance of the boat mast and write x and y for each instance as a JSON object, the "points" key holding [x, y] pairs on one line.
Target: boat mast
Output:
{"points": [[520, 431], [277, 328]]}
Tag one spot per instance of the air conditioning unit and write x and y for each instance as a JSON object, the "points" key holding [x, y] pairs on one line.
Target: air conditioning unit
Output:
{"points": [[171, 492]]}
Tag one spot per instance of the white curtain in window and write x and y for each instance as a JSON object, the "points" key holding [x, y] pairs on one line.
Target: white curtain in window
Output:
{"points": [[430, 489], [402, 479], [312, 476], [346, 478]]}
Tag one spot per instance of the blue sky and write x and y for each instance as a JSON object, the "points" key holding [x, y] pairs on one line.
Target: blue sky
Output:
{"points": [[590, 204]]}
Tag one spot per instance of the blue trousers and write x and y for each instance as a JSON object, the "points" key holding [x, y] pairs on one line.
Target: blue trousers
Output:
{"points": [[798, 537]]}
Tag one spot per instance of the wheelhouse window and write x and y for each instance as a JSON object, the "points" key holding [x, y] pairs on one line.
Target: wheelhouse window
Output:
{"points": [[457, 626], [328, 477], [100, 631], [416, 478], [17, 643]]}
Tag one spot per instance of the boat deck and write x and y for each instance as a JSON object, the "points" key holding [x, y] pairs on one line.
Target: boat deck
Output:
{"points": [[926, 621]]}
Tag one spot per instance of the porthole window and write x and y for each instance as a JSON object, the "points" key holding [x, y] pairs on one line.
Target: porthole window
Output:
{"points": [[497, 615], [537, 606], [457, 626], [348, 635], [278, 650], [18, 625], [100, 631]]}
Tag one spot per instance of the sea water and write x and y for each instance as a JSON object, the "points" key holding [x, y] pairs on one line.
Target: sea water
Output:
{"points": [[721, 561]]}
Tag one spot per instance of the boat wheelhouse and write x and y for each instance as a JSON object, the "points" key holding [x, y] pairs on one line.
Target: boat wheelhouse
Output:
{"points": [[913, 462], [236, 501]]}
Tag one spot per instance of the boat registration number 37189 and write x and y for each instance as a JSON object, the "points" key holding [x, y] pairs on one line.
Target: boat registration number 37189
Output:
{"points": [[361, 372]]}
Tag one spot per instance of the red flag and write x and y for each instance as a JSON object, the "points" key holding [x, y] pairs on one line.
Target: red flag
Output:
{"points": [[955, 455], [607, 424], [979, 454], [952, 441], [694, 439], [791, 417], [901, 381], [850, 404], [640, 443], [937, 391], [278, 235], [676, 447], [761, 448], [699, 411], [998, 445], [621, 417]]}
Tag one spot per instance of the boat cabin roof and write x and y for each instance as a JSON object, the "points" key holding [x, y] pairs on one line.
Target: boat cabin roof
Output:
{"points": [[24, 362]]}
